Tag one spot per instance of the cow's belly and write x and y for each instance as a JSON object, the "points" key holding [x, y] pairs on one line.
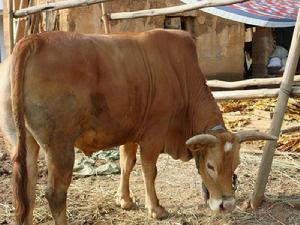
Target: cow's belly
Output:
{"points": [[93, 140]]}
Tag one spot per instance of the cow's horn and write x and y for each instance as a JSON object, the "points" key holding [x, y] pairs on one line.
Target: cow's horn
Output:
{"points": [[252, 135], [198, 141]]}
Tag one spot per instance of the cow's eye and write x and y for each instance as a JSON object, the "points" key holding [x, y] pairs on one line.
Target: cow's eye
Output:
{"points": [[209, 166]]}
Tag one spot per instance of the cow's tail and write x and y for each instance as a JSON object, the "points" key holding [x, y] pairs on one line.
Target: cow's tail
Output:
{"points": [[20, 57]]}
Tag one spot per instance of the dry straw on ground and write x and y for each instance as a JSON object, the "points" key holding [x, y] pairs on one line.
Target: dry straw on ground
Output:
{"points": [[91, 199]]}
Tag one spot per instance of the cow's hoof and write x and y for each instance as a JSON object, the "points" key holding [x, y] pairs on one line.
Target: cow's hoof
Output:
{"points": [[127, 205], [158, 213]]}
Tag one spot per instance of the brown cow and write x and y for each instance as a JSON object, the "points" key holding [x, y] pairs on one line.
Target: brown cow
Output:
{"points": [[64, 89]]}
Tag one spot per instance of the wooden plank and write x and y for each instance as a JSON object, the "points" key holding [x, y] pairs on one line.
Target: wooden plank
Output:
{"points": [[285, 90], [55, 6], [250, 94], [171, 10], [247, 83]]}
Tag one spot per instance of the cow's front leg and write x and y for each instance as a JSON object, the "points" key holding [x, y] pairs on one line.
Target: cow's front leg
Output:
{"points": [[127, 162], [149, 158]]}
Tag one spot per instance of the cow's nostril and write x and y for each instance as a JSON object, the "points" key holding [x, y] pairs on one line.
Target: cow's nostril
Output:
{"points": [[222, 207]]}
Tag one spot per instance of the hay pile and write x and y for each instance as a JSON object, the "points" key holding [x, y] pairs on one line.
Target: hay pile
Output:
{"points": [[287, 142]]}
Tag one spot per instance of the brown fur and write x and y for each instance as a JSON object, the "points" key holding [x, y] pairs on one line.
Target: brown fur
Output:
{"points": [[224, 162]]}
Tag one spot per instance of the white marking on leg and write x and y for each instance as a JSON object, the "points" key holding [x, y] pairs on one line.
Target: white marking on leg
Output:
{"points": [[227, 147]]}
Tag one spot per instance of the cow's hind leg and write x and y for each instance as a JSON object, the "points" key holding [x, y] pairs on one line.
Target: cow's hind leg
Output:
{"points": [[31, 162], [60, 162], [149, 156], [127, 162]]}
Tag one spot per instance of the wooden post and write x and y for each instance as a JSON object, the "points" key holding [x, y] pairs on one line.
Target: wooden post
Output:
{"points": [[105, 19], [285, 90], [11, 25], [16, 33], [27, 20], [47, 20]]}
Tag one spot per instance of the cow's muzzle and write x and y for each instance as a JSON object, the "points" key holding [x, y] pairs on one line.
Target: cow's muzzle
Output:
{"points": [[205, 192], [224, 205]]}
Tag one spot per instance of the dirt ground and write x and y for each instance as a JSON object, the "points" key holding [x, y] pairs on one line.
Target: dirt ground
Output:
{"points": [[91, 199]]}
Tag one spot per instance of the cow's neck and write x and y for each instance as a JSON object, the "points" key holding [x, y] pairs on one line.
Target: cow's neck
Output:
{"points": [[206, 113]]}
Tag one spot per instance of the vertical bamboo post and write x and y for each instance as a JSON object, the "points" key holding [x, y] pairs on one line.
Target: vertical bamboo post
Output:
{"points": [[284, 93], [105, 19], [27, 20], [11, 25], [16, 33], [47, 20]]}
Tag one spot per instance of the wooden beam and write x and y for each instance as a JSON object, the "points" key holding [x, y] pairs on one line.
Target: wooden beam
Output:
{"points": [[55, 6], [172, 10], [258, 152], [290, 130], [11, 25], [285, 90], [250, 94], [247, 83]]}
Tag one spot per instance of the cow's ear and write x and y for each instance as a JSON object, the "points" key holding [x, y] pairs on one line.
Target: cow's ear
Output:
{"points": [[201, 141]]}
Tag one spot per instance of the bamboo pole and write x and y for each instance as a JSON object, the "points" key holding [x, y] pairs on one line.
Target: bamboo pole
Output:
{"points": [[258, 152], [11, 25], [172, 10], [250, 94], [247, 83], [18, 23], [27, 20], [47, 20], [105, 19], [285, 90], [290, 130], [55, 6]]}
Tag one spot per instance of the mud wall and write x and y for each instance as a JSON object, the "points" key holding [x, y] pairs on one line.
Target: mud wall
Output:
{"points": [[219, 42]]}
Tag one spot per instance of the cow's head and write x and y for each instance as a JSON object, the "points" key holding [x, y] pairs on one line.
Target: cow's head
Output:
{"points": [[217, 157]]}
